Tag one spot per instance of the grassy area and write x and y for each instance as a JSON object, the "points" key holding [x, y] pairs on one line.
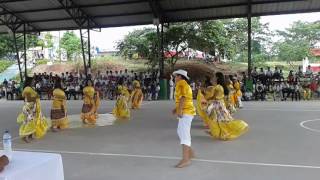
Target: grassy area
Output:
{"points": [[42, 61], [4, 64], [136, 65]]}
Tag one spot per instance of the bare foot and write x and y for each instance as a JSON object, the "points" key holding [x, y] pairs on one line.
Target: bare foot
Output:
{"points": [[183, 163], [208, 132], [54, 129], [26, 140], [191, 154], [30, 137]]}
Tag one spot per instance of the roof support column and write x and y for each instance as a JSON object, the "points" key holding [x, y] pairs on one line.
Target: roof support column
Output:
{"points": [[25, 51], [17, 54], [83, 53], [249, 38], [89, 48], [161, 67], [83, 20]]}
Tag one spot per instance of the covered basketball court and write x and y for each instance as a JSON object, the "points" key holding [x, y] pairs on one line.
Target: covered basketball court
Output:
{"points": [[281, 143], [19, 17]]}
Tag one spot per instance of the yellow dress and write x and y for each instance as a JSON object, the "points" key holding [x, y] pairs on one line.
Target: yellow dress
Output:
{"points": [[230, 99], [136, 96], [121, 109], [59, 117], [88, 113], [221, 123], [31, 119], [97, 103], [201, 108], [237, 93]]}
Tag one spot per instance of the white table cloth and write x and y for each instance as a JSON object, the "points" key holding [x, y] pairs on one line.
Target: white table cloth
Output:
{"points": [[33, 166]]}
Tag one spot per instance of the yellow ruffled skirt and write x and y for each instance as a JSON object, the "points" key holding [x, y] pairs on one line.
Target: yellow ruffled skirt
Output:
{"points": [[31, 120], [88, 114], [136, 100], [221, 124], [201, 107], [59, 119], [228, 130], [121, 109]]}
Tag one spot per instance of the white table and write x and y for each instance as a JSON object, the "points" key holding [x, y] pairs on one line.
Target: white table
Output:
{"points": [[33, 166]]}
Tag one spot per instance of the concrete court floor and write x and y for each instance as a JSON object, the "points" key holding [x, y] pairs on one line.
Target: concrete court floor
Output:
{"points": [[276, 147]]}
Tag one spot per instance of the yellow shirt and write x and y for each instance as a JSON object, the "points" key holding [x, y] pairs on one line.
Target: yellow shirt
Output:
{"points": [[237, 88], [88, 93], [214, 93], [59, 98], [209, 93], [184, 90], [218, 92]]}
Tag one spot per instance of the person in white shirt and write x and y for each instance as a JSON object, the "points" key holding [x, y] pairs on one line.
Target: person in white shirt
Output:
{"points": [[309, 72], [171, 88], [77, 89], [157, 92], [193, 87]]}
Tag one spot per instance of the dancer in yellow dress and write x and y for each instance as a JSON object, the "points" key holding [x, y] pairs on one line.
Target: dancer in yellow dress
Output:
{"points": [[238, 93], [97, 102], [230, 98], [121, 109], [201, 104], [221, 123], [185, 111], [59, 119], [88, 113], [136, 95], [31, 120]]}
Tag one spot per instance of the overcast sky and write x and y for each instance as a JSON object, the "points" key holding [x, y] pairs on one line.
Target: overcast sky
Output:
{"points": [[107, 38]]}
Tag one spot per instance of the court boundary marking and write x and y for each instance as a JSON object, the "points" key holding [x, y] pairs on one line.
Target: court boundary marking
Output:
{"points": [[302, 124], [281, 110], [175, 158]]}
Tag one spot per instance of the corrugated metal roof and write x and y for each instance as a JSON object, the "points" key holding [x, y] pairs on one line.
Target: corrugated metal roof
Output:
{"points": [[45, 15]]}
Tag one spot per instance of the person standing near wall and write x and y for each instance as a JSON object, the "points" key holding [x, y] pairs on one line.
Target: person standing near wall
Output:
{"points": [[171, 86]]}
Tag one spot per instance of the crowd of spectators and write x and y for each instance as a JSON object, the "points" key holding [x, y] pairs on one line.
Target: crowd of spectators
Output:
{"points": [[73, 84], [268, 84], [265, 84]]}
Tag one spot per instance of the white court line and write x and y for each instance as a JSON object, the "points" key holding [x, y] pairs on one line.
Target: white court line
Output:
{"points": [[302, 124], [176, 158], [282, 110]]}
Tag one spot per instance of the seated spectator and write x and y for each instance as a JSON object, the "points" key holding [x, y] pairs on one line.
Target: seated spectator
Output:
{"points": [[260, 91], [286, 91], [10, 91], [72, 91]]}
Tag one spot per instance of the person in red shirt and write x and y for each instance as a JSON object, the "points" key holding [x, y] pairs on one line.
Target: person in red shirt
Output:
{"points": [[313, 87]]}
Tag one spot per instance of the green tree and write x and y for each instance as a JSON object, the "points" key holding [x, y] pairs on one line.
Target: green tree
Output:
{"points": [[48, 40], [210, 37], [7, 47], [297, 40], [71, 43], [176, 41], [138, 41]]}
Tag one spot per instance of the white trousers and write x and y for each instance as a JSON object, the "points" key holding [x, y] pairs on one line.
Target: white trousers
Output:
{"points": [[184, 128], [240, 102], [171, 93]]}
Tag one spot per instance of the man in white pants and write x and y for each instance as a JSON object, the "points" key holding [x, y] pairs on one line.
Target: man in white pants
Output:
{"points": [[185, 111]]}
